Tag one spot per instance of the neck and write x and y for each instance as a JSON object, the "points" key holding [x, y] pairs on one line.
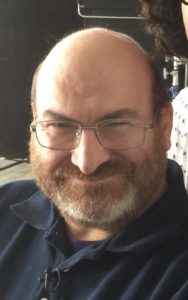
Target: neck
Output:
{"points": [[83, 232]]}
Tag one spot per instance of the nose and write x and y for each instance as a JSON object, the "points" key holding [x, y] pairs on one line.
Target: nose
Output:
{"points": [[89, 154]]}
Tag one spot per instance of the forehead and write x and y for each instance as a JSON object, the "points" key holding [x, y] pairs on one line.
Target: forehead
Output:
{"points": [[89, 86]]}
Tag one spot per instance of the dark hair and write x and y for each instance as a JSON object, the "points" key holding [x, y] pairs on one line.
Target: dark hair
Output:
{"points": [[160, 93], [163, 18]]}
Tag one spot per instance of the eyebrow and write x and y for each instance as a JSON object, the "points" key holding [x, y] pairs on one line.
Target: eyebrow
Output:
{"points": [[56, 116], [122, 113]]}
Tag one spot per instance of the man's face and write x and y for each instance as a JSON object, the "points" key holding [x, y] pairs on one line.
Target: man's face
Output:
{"points": [[91, 184]]}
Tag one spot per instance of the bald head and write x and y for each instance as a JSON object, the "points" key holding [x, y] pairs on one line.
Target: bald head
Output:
{"points": [[91, 45], [83, 61]]}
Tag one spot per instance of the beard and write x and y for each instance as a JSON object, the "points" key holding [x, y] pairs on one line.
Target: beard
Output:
{"points": [[103, 203]]}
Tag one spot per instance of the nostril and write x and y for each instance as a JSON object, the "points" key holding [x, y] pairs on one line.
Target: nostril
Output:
{"points": [[88, 156]]}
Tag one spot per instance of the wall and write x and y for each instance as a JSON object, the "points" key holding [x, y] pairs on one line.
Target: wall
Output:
{"points": [[27, 29]]}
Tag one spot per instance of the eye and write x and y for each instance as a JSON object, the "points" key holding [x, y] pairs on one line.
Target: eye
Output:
{"points": [[56, 125], [55, 128], [120, 123]]}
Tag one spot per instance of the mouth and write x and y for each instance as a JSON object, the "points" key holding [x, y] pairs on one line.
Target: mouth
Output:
{"points": [[96, 180]]}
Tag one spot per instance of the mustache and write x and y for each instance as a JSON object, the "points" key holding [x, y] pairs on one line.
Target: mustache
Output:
{"points": [[68, 170], [110, 168]]}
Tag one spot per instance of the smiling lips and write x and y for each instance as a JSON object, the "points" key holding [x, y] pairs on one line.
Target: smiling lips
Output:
{"points": [[92, 180]]}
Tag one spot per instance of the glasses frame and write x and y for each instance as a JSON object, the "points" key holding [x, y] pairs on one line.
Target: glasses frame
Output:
{"points": [[78, 133]]}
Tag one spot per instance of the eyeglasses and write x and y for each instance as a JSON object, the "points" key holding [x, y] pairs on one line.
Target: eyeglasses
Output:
{"points": [[112, 134]]}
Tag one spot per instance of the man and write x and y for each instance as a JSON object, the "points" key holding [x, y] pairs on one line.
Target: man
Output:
{"points": [[108, 219]]}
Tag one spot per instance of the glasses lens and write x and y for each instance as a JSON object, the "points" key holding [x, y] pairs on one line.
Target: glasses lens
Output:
{"points": [[121, 134], [57, 135]]}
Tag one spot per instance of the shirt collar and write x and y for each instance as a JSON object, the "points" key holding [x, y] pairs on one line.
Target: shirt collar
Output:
{"points": [[37, 210], [159, 224], [155, 227]]}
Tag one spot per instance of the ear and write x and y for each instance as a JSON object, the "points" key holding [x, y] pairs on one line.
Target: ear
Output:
{"points": [[33, 111], [165, 124]]}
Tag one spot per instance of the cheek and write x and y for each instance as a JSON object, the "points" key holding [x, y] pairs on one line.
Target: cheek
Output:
{"points": [[53, 158], [49, 159], [148, 149], [134, 155]]}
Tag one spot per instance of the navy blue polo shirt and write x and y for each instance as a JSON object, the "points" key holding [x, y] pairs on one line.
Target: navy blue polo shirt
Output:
{"points": [[147, 260]]}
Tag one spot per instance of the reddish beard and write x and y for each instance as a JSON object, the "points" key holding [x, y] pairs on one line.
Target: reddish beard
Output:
{"points": [[106, 204]]}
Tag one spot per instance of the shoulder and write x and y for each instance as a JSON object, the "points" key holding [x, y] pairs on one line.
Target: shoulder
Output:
{"points": [[12, 194], [16, 191], [180, 107], [181, 100]]}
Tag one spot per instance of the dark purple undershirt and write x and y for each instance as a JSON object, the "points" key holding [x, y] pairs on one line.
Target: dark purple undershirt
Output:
{"points": [[78, 245]]}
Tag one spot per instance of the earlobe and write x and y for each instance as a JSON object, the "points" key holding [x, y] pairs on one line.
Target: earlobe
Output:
{"points": [[166, 123]]}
